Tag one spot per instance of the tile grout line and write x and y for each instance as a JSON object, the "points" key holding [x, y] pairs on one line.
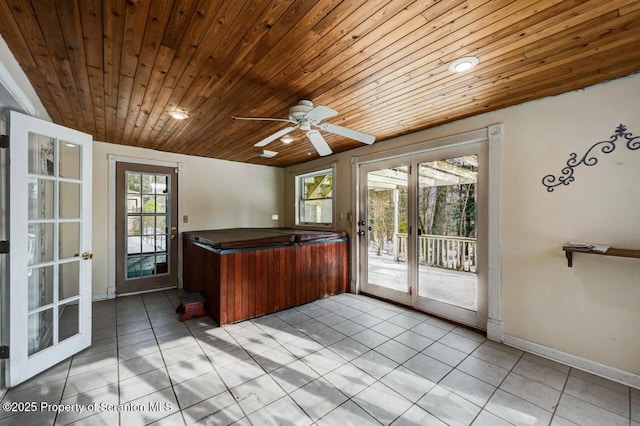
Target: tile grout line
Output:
{"points": [[350, 398], [483, 408], [571, 369], [164, 362]]}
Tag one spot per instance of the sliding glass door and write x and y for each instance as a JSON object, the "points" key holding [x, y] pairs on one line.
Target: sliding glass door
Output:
{"points": [[424, 221]]}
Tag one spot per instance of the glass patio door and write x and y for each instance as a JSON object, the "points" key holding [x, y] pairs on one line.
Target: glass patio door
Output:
{"points": [[50, 237], [423, 231], [451, 278], [383, 228]]}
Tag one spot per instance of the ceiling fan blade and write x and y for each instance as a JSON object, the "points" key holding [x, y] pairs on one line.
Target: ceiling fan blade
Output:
{"points": [[318, 142], [320, 113], [266, 141], [348, 133], [262, 119]]}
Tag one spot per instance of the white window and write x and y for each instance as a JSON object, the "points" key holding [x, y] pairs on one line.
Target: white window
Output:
{"points": [[314, 198]]}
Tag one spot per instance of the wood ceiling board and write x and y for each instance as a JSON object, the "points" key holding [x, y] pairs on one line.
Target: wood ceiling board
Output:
{"points": [[114, 68]]}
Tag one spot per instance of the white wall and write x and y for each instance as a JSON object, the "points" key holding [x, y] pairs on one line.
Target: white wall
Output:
{"points": [[216, 194], [593, 309]]}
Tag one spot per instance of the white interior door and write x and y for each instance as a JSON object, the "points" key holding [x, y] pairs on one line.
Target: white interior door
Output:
{"points": [[50, 245]]}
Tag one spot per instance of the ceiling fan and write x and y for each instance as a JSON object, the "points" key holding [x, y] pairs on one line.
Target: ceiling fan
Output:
{"points": [[305, 116]]}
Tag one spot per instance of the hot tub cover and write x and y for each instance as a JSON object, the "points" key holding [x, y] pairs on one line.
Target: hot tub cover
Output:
{"points": [[258, 237]]}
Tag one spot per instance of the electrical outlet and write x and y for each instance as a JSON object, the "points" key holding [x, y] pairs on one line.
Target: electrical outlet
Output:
{"points": [[274, 217], [185, 219]]}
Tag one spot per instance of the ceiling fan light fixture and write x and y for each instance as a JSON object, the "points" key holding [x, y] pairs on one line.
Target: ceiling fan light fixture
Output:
{"points": [[178, 115], [286, 139], [267, 154], [463, 64]]}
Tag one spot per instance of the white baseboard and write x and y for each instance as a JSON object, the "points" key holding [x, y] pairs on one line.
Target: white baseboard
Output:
{"points": [[624, 377], [98, 297], [155, 290]]}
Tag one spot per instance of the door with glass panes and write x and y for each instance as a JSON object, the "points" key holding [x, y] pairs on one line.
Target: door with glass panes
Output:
{"points": [[50, 245], [146, 228], [423, 231], [451, 233]]}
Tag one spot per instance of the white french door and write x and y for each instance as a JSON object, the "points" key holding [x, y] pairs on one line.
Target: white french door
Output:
{"points": [[50, 245], [423, 231]]}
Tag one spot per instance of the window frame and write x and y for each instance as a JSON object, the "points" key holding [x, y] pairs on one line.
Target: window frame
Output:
{"points": [[299, 177]]}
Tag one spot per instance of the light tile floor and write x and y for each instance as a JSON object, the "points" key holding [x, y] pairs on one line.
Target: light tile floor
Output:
{"points": [[344, 360]]}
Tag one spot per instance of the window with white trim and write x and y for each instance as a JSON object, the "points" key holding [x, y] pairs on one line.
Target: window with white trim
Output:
{"points": [[314, 198]]}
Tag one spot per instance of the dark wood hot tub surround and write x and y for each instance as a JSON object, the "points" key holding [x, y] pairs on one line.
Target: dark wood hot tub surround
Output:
{"points": [[245, 273]]}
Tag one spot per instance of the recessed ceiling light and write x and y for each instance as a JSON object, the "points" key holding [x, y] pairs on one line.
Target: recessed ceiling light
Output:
{"points": [[463, 64], [267, 154], [178, 115], [286, 139]]}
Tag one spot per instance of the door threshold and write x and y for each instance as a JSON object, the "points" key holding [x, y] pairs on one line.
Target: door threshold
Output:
{"points": [[413, 308], [147, 291]]}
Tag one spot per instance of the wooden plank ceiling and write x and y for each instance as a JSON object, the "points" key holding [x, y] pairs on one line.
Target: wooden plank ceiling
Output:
{"points": [[114, 68]]}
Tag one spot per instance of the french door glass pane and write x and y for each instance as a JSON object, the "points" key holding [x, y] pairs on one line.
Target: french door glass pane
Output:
{"points": [[41, 155], [147, 221], [68, 325], [69, 200], [68, 279], [387, 226], [69, 238], [40, 282], [447, 218], [69, 160], [40, 332], [40, 243], [41, 197]]}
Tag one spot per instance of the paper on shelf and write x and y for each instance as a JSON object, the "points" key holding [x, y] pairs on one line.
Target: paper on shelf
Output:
{"points": [[599, 248]]}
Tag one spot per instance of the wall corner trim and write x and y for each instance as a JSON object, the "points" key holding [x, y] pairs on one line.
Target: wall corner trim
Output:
{"points": [[620, 376], [494, 330], [494, 322]]}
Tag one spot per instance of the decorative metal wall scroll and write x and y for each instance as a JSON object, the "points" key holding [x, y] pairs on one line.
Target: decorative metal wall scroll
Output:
{"points": [[589, 158]]}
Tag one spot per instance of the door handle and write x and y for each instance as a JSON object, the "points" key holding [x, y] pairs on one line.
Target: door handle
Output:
{"points": [[173, 236], [361, 233], [86, 255], [173, 229]]}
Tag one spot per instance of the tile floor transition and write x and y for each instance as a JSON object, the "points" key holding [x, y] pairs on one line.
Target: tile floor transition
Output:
{"points": [[344, 360]]}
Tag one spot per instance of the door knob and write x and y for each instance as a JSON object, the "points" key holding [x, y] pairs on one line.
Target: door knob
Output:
{"points": [[86, 255]]}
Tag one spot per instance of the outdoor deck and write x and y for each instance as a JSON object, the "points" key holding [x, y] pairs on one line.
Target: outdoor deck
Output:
{"points": [[454, 287]]}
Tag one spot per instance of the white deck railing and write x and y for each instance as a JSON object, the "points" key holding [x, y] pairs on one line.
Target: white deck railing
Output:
{"points": [[456, 253]]}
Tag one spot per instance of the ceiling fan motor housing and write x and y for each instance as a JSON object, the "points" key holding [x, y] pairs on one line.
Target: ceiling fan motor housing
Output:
{"points": [[298, 112]]}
